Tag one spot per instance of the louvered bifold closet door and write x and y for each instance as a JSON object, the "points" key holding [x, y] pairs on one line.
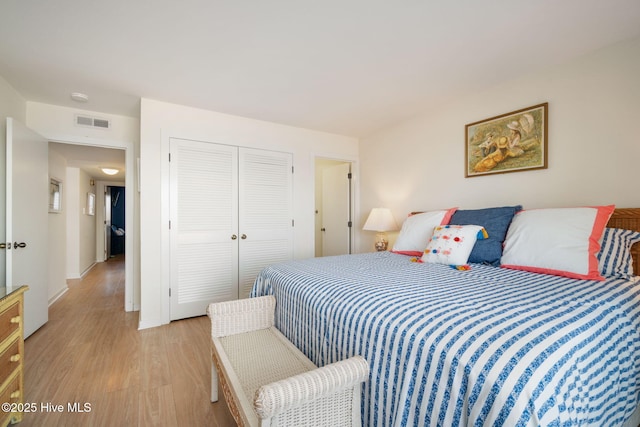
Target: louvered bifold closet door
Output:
{"points": [[266, 212], [204, 221]]}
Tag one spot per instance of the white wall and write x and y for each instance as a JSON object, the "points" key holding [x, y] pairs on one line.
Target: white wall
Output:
{"points": [[72, 208], [81, 227], [594, 112], [161, 121], [11, 105], [58, 232], [86, 224], [58, 124]]}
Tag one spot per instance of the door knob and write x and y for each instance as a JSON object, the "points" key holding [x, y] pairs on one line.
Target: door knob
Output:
{"points": [[3, 245], [234, 237], [17, 245], [244, 236]]}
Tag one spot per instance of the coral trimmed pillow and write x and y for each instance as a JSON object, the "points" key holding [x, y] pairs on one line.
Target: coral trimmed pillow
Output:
{"points": [[452, 244], [615, 258], [417, 230], [561, 241], [496, 221]]}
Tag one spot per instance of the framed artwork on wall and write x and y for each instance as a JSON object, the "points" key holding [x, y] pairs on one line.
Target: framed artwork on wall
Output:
{"points": [[55, 195], [511, 142]]}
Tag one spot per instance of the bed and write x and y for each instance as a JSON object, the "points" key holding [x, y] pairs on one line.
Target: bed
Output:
{"points": [[481, 345]]}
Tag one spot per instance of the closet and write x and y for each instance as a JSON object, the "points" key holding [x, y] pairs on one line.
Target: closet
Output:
{"points": [[231, 215]]}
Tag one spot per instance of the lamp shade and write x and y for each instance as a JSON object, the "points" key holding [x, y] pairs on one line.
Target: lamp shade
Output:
{"points": [[380, 219]]}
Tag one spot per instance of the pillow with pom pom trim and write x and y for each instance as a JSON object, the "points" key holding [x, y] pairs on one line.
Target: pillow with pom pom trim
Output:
{"points": [[452, 244]]}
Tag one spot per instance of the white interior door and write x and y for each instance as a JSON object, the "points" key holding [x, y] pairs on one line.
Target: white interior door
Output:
{"points": [[266, 212], [204, 224], [27, 220], [336, 206]]}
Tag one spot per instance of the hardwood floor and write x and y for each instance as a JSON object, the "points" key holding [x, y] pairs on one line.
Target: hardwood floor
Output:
{"points": [[91, 358]]}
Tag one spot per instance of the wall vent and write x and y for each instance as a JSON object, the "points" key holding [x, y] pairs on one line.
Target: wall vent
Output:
{"points": [[93, 122]]}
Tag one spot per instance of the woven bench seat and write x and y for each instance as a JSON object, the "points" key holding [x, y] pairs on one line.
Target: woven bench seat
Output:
{"points": [[267, 381]]}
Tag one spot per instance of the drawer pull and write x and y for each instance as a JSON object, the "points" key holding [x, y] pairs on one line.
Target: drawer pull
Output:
{"points": [[15, 394], [15, 319], [15, 358]]}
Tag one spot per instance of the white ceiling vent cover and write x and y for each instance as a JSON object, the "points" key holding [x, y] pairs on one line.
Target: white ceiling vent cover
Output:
{"points": [[93, 122]]}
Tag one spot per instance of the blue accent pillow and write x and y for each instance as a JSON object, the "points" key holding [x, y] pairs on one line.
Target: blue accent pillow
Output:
{"points": [[496, 221]]}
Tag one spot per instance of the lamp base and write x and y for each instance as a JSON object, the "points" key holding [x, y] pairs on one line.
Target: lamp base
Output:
{"points": [[381, 242]]}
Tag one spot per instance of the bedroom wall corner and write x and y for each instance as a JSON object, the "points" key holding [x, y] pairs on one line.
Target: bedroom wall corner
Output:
{"points": [[593, 149]]}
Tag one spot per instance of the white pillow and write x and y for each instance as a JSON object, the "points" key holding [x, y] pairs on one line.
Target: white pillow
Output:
{"points": [[561, 241], [452, 244], [417, 230]]}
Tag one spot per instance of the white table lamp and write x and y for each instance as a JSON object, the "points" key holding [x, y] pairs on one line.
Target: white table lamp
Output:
{"points": [[380, 220]]}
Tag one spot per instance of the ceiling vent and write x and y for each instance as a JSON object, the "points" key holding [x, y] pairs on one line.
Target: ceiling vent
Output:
{"points": [[93, 122]]}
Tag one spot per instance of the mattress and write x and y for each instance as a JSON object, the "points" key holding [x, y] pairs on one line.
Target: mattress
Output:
{"points": [[486, 346]]}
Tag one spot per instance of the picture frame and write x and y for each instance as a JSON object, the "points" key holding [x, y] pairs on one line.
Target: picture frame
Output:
{"points": [[55, 195], [511, 142], [91, 203]]}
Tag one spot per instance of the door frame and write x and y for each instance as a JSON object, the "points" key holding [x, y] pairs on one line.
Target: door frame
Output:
{"points": [[132, 289], [355, 195]]}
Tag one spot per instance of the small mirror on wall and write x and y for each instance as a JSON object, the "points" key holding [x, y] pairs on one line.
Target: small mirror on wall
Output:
{"points": [[55, 195], [91, 204]]}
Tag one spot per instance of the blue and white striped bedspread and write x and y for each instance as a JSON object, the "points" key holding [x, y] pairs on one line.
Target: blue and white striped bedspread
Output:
{"points": [[485, 347]]}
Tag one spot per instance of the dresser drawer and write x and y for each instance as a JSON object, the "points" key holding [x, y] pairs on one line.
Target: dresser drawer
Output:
{"points": [[10, 320], [10, 359], [12, 394]]}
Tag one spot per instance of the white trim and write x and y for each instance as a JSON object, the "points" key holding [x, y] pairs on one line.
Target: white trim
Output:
{"points": [[146, 325], [86, 270], [57, 296]]}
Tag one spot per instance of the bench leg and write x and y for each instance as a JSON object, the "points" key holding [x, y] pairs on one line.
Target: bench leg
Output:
{"points": [[214, 383]]}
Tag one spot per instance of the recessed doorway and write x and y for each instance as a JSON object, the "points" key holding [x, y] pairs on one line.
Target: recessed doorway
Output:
{"points": [[333, 207]]}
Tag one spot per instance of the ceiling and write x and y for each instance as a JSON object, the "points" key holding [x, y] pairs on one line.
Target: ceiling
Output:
{"points": [[92, 159], [348, 67]]}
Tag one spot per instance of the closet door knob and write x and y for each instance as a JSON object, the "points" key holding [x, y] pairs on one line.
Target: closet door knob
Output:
{"points": [[234, 237], [244, 236]]}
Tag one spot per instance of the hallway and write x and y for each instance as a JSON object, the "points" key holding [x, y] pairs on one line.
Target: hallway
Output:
{"points": [[91, 355]]}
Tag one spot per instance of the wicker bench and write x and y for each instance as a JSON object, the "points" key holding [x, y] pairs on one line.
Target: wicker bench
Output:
{"points": [[267, 381]]}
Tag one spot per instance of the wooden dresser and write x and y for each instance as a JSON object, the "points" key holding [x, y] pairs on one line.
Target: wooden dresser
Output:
{"points": [[11, 355]]}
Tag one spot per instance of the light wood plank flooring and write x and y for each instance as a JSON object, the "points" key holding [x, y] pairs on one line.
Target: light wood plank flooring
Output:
{"points": [[90, 352]]}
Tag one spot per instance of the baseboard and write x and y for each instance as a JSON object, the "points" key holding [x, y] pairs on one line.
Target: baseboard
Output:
{"points": [[57, 296], [84, 273], [147, 325]]}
